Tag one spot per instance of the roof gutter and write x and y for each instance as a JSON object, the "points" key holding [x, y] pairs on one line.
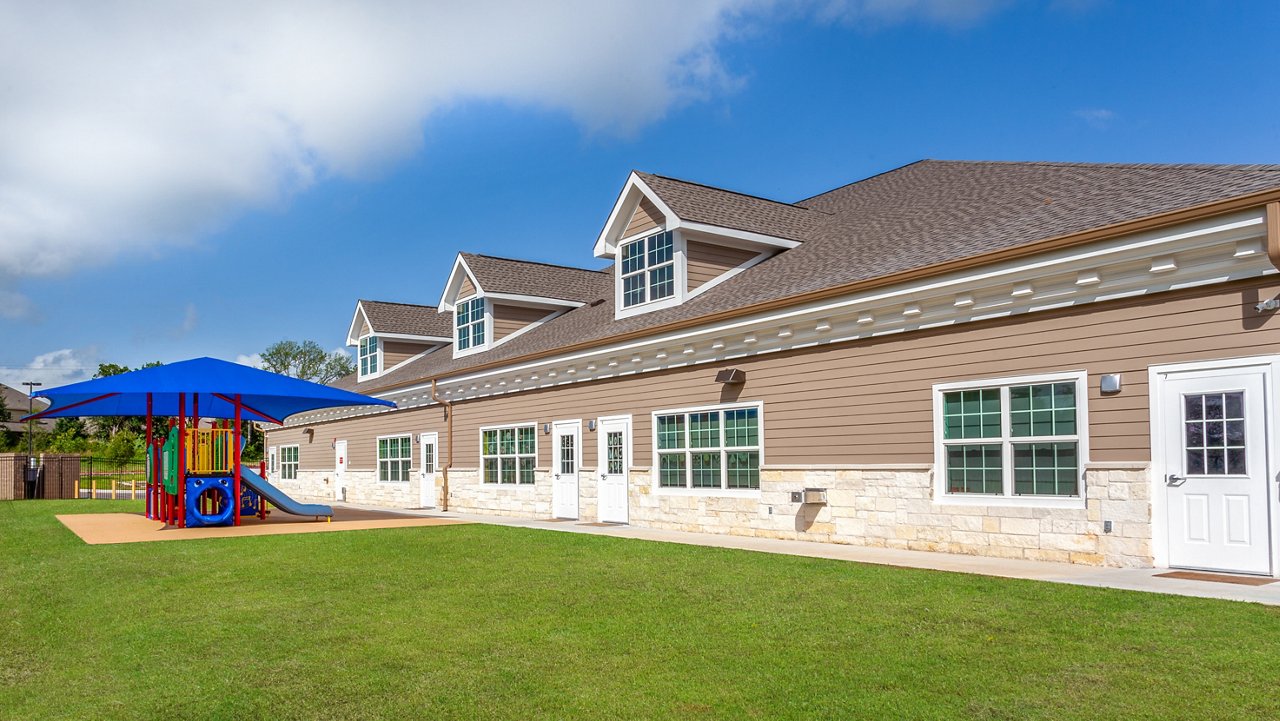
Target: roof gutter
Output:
{"points": [[1268, 198]]}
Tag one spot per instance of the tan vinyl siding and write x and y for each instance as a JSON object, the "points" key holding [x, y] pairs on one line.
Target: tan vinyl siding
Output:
{"points": [[365, 329], [706, 261], [508, 319], [466, 289], [398, 351], [361, 435], [646, 217], [871, 401]]}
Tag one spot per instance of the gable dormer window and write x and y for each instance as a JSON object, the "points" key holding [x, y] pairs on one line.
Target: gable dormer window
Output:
{"points": [[648, 269], [470, 320], [370, 358]]}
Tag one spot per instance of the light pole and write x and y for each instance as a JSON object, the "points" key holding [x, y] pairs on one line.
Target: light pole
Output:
{"points": [[30, 479]]}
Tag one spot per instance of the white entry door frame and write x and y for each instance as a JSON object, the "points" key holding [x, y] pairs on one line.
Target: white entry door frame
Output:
{"points": [[566, 465], [1228, 498], [613, 444], [428, 462], [339, 470]]}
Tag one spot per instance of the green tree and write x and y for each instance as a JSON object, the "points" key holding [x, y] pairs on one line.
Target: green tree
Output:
{"points": [[4, 410], [124, 447], [70, 435], [307, 360]]}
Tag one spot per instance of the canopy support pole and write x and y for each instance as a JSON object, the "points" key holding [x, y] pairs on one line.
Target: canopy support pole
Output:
{"points": [[182, 460], [235, 460], [151, 476]]}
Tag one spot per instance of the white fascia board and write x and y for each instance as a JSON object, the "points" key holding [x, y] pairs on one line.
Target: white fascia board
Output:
{"points": [[746, 235], [606, 244], [454, 282], [1223, 229], [535, 300], [415, 338], [353, 331]]}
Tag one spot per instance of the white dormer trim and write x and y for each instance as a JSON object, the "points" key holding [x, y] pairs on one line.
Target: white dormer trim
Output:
{"points": [[679, 263], [488, 328], [624, 207], [353, 331], [534, 301], [750, 237], [380, 354], [454, 283]]}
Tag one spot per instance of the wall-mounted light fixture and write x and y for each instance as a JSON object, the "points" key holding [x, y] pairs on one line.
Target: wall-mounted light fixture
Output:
{"points": [[1266, 305], [731, 376], [1109, 383], [591, 425], [311, 434], [546, 429], [333, 444]]}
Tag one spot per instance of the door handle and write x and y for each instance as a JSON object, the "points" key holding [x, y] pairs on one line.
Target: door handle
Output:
{"points": [[1173, 479], [603, 476], [557, 476]]}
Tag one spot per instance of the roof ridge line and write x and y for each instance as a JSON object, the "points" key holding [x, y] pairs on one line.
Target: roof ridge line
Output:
{"points": [[1234, 167], [732, 192], [530, 262], [396, 302], [869, 177]]}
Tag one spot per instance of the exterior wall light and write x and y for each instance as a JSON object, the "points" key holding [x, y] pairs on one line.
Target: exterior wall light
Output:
{"points": [[591, 425], [731, 376]]}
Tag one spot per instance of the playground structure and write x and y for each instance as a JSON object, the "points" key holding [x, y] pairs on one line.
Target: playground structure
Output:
{"points": [[194, 473]]}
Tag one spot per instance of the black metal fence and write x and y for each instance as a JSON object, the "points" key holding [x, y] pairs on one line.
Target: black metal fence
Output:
{"points": [[71, 476]]}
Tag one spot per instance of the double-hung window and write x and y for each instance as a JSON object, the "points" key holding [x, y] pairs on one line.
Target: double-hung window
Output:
{"points": [[394, 454], [369, 357], [709, 449], [1019, 438], [288, 463], [509, 454], [469, 318], [648, 269]]}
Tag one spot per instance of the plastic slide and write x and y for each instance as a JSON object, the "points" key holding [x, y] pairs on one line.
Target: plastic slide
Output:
{"points": [[277, 498]]}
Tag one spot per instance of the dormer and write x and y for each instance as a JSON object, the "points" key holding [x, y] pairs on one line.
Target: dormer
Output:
{"points": [[671, 240], [389, 335], [496, 299]]}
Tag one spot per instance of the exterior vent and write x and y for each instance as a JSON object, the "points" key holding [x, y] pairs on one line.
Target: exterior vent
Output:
{"points": [[816, 496]]}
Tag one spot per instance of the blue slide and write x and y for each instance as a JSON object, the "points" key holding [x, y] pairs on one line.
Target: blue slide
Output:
{"points": [[277, 498]]}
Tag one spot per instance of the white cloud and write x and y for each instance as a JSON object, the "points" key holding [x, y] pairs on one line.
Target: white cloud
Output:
{"points": [[1097, 118], [55, 368], [129, 126], [253, 361]]}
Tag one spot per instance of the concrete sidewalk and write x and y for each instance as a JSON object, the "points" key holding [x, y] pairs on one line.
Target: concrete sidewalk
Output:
{"points": [[1129, 579]]}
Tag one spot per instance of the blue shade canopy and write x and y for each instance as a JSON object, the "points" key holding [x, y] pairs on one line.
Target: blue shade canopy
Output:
{"points": [[215, 383]]}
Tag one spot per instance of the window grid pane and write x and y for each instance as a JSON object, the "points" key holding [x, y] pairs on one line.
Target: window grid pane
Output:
{"points": [[1214, 434], [671, 431], [1046, 409], [672, 470], [743, 469], [975, 469], [394, 458], [1045, 469], [509, 455], [741, 428], [971, 414], [704, 430], [614, 452], [704, 470]]}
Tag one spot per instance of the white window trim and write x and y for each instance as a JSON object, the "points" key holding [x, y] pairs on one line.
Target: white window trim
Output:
{"points": [[679, 276], [297, 465], [488, 327], [655, 466], [377, 455], [940, 495], [360, 374], [536, 450]]}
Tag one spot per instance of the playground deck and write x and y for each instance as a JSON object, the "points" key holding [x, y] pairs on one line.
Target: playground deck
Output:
{"points": [[104, 528]]}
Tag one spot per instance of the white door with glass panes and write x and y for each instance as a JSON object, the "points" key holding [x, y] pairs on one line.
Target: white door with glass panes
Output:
{"points": [[427, 460], [1214, 447], [339, 470], [566, 454], [614, 448]]}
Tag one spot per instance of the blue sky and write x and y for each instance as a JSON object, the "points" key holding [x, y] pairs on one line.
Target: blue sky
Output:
{"points": [[779, 101]]}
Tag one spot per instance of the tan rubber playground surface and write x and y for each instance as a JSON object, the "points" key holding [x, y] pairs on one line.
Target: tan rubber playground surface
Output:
{"points": [[101, 528]]}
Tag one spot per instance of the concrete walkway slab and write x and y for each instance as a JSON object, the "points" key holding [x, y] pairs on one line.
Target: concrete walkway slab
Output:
{"points": [[1129, 579]]}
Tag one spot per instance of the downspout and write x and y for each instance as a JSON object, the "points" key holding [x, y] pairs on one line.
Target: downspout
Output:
{"points": [[1273, 233], [448, 463]]}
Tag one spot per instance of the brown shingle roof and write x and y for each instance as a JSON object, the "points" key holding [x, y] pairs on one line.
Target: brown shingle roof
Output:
{"points": [[729, 209], [916, 216], [406, 319], [524, 277], [16, 401]]}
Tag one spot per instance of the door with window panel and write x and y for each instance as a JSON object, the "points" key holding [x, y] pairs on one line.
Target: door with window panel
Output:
{"points": [[566, 445], [1216, 470], [615, 464]]}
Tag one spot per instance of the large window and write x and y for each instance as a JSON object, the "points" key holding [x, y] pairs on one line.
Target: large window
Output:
{"points": [[288, 463], [709, 449], [1021, 438], [469, 317], [394, 454], [369, 358], [648, 269], [508, 454]]}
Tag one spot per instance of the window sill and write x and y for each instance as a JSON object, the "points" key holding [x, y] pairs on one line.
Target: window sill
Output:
{"points": [[510, 486], [949, 499], [713, 492]]}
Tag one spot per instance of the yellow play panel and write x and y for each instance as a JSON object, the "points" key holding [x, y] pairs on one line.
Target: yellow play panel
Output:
{"points": [[102, 528]]}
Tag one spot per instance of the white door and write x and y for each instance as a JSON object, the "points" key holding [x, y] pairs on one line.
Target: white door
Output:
{"points": [[427, 459], [1214, 425], [566, 455], [615, 468], [339, 470], [272, 459]]}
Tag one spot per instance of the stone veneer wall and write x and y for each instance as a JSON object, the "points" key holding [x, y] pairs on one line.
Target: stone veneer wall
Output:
{"points": [[363, 489]]}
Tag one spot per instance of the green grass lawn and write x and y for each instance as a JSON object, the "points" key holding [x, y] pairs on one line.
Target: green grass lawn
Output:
{"points": [[478, 622]]}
